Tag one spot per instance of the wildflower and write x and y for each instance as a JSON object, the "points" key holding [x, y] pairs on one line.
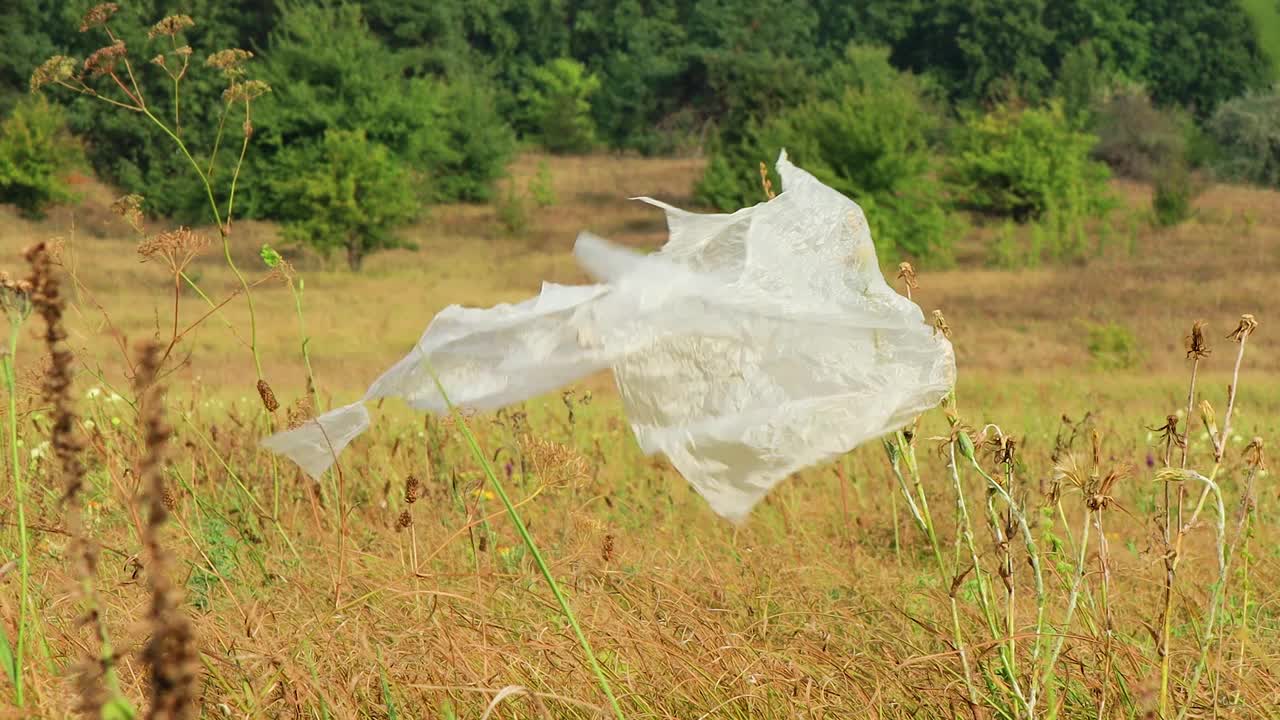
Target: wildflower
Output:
{"points": [[170, 26], [229, 61], [246, 91], [93, 393], [57, 69], [40, 451], [97, 16], [103, 60], [129, 207]]}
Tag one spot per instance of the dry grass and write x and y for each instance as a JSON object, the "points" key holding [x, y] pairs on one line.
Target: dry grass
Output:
{"points": [[826, 605]]}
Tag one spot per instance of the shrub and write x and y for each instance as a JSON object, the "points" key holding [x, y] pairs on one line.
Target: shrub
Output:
{"points": [[1113, 347], [1247, 134], [867, 136], [557, 106], [347, 193], [1135, 138], [1023, 162], [36, 151], [1175, 189]]}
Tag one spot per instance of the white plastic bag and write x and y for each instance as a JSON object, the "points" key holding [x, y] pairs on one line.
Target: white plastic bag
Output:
{"points": [[750, 346]]}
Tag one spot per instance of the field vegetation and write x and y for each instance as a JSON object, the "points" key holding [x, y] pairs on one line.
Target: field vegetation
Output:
{"points": [[1085, 529]]}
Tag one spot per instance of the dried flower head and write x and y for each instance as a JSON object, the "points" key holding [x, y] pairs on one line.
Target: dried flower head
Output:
{"points": [[1099, 495], [555, 464], [56, 69], [1253, 454], [170, 26], [940, 324], [177, 248], [766, 182], [411, 489], [229, 61], [129, 207], [607, 548], [1248, 323], [103, 60], [299, 412], [98, 15], [907, 274], [246, 91], [404, 521], [268, 396], [158, 60], [1197, 348]]}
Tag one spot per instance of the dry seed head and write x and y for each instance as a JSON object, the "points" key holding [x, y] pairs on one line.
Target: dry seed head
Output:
{"points": [[411, 489], [607, 548], [555, 464], [169, 498], [1197, 348], [1248, 323], [299, 412], [1253, 454], [98, 15], [940, 324], [229, 61], [176, 247], [907, 274], [246, 91], [766, 182], [129, 207], [404, 521], [103, 60], [56, 69], [170, 26], [268, 397]]}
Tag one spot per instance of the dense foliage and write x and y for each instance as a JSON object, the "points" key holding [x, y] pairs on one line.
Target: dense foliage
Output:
{"points": [[448, 86], [35, 153]]}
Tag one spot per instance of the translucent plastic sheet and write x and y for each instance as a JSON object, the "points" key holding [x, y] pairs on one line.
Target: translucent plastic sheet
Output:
{"points": [[750, 346]]}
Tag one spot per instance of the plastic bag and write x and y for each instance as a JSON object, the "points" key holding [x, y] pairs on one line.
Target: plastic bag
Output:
{"points": [[750, 346]]}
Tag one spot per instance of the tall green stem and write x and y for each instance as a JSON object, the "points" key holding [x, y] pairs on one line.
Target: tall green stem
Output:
{"points": [[20, 497], [532, 547]]}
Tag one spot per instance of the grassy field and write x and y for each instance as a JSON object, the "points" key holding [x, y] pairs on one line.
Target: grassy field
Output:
{"points": [[344, 600]]}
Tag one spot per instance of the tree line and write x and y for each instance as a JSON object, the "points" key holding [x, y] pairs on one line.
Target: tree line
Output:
{"points": [[433, 96]]}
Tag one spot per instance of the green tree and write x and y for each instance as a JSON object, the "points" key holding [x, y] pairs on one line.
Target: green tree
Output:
{"points": [[332, 73], [557, 104], [36, 151], [1026, 162], [867, 136], [1202, 53], [348, 194]]}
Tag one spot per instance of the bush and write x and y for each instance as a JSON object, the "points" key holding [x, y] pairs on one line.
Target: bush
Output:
{"points": [[557, 104], [1247, 133], [347, 193], [868, 137], [36, 151], [1022, 163], [1113, 347], [1137, 139], [1175, 189]]}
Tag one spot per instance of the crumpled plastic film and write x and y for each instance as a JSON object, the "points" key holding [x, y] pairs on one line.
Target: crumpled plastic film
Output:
{"points": [[750, 346]]}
